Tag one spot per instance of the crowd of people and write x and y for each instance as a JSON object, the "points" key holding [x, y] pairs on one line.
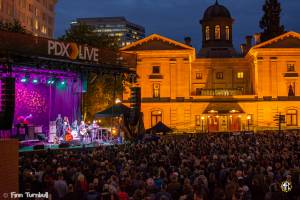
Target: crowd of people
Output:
{"points": [[192, 167]]}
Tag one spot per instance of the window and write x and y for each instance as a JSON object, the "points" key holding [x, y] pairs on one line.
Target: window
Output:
{"points": [[30, 8], [219, 75], [291, 118], [156, 90], [198, 75], [156, 116], [36, 24], [291, 89], [155, 69], [198, 91], [217, 32], [227, 31], [207, 33], [1, 4], [291, 67], [197, 120], [240, 75]]}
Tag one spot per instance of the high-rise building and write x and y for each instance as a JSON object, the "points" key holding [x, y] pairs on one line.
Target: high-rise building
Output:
{"points": [[127, 32], [36, 16]]}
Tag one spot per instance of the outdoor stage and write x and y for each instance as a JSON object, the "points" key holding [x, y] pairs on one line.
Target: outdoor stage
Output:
{"points": [[36, 145], [41, 78]]}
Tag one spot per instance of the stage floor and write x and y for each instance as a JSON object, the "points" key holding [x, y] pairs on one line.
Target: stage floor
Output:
{"points": [[30, 148]]}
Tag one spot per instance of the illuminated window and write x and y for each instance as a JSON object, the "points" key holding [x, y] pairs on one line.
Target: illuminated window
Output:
{"points": [[207, 33], [291, 118], [155, 69], [44, 29], [156, 116], [240, 75], [219, 75], [36, 24], [198, 75], [291, 67], [227, 30], [217, 32], [197, 120], [1, 1], [156, 90]]}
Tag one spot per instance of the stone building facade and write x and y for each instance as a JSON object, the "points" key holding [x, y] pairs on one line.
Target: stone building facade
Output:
{"points": [[217, 90]]}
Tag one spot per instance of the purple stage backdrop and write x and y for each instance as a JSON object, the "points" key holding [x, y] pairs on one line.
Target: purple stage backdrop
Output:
{"points": [[44, 102]]}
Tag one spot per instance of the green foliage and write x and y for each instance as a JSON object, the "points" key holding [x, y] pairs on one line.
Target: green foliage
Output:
{"points": [[14, 26], [101, 87], [270, 22], [84, 34], [100, 93]]}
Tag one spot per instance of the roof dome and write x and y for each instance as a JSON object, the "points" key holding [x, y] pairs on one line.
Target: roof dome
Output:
{"points": [[216, 11]]}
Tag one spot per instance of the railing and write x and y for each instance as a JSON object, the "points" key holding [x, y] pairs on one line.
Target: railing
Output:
{"points": [[218, 92]]}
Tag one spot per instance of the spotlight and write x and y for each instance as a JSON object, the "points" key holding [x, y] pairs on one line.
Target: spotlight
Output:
{"points": [[35, 81], [63, 82], [50, 82], [24, 80]]}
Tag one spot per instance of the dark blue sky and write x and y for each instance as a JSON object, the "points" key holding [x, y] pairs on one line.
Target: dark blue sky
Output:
{"points": [[175, 18]]}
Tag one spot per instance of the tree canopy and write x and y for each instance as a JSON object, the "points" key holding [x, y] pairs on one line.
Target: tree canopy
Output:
{"points": [[84, 34], [102, 88], [14, 26], [270, 22]]}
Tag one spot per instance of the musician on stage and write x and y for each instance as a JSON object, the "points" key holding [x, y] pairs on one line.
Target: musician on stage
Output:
{"points": [[94, 128], [66, 125], [82, 131], [59, 126], [75, 129]]}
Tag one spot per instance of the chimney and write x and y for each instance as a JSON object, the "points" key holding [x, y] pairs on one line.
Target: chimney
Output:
{"points": [[243, 49], [257, 38], [188, 41]]}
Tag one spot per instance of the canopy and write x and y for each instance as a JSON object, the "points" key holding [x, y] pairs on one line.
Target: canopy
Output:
{"points": [[223, 108], [159, 128], [114, 111]]}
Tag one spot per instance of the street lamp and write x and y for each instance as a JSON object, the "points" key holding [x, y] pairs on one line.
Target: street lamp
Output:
{"points": [[202, 119], [248, 120], [117, 101]]}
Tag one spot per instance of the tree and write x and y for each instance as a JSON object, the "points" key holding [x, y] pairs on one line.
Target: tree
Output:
{"points": [[270, 22], [84, 34], [14, 26], [102, 88]]}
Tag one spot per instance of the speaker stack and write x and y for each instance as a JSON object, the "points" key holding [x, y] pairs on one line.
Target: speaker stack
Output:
{"points": [[135, 105], [7, 104]]}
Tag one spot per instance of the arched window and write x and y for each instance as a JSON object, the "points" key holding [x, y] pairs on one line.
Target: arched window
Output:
{"points": [[217, 32], [156, 116], [292, 117], [227, 31], [207, 33]]}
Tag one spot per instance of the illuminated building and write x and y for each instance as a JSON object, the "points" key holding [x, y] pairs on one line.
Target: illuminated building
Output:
{"points": [[126, 32], [36, 16], [218, 90]]}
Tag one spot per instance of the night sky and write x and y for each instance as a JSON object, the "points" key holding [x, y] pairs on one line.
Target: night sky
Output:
{"points": [[175, 18]]}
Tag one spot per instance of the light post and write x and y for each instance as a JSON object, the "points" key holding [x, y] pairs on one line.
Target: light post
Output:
{"points": [[248, 121], [118, 101], [202, 119]]}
